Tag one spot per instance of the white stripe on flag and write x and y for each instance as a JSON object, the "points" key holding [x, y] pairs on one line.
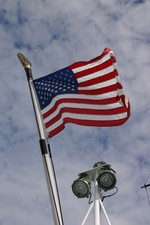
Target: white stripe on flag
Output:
{"points": [[99, 85], [81, 96], [82, 106], [96, 63], [86, 117], [96, 74]]}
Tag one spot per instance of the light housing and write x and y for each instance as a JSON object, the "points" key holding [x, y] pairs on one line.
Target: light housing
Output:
{"points": [[106, 179], [81, 187]]}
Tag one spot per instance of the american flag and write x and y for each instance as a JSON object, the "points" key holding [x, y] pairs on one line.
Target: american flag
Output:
{"points": [[86, 93]]}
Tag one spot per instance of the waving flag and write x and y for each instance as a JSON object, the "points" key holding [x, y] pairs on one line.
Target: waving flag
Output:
{"points": [[85, 93]]}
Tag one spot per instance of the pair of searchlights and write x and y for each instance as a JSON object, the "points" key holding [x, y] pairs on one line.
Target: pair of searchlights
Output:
{"points": [[101, 172]]}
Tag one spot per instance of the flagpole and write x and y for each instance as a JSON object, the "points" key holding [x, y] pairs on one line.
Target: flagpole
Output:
{"points": [[56, 210]]}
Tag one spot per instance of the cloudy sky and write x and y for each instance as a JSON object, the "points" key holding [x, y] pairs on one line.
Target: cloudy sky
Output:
{"points": [[53, 34]]}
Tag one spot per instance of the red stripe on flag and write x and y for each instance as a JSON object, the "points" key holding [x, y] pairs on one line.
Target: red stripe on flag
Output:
{"points": [[97, 80], [79, 101], [100, 90], [94, 69], [86, 123], [84, 63], [85, 112]]}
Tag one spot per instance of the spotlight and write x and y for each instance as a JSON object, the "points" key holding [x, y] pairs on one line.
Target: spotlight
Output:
{"points": [[81, 188], [106, 179]]}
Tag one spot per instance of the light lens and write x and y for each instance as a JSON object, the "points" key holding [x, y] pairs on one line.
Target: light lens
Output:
{"points": [[106, 180], [81, 188]]}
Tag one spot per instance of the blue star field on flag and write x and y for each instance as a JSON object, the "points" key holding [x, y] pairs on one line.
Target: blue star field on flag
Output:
{"points": [[60, 82]]}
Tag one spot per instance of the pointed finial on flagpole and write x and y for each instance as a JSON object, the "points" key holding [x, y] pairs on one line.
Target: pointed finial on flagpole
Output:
{"points": [[24, 61], [26, 64]]}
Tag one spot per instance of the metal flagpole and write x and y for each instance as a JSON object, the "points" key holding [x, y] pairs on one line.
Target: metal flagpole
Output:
{"points": [[56, 210]]}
